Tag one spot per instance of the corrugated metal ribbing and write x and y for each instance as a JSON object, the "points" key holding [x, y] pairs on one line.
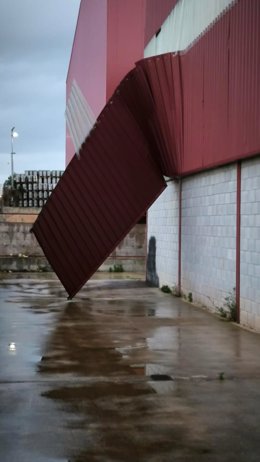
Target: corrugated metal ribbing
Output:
{"points": [[245, 78], [163, 74], [99, 198], [153, 94], [221, 75], [136, 94], [205, 83]]}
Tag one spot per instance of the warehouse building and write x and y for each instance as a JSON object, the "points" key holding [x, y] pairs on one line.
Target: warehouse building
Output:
{"points": [[205, 226], [200, 80]]}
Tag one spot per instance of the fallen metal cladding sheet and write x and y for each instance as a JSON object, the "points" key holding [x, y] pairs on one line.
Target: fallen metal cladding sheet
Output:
{"points": [[221, 75], [136, 94], [153, 94], [100, 197]]}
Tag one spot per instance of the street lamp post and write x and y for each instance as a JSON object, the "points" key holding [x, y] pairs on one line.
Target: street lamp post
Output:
{"points": [[14, 134]]}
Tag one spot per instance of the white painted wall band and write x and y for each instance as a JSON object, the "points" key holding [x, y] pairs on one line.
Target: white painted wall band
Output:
{"points": [[187, 21], [79, 116]]}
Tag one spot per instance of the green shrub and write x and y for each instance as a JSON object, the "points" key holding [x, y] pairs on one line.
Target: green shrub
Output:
{"points": [[166, 289]]}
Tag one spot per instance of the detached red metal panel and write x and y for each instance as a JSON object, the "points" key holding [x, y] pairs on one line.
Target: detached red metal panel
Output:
{"points": [[137, 139], [153, 94], [163, 73], [99, 198]]}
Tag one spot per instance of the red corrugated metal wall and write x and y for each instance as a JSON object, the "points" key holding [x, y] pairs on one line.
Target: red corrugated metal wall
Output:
{"points": [[221, 75]]}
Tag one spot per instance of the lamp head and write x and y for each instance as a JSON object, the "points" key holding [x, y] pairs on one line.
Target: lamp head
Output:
{"points": [[14, 133]]}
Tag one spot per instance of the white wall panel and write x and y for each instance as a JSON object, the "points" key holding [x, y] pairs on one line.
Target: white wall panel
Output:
{"points": [[79, 116], [187, 21]]}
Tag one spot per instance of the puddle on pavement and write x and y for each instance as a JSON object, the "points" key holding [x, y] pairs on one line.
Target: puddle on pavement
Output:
{"points": [[90, 336], [98, 390]]}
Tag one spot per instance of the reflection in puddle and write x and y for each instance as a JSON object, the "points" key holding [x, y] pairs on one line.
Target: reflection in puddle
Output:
{"points": [[151, 312], [104, 372], [163, 387], [12, 346]]}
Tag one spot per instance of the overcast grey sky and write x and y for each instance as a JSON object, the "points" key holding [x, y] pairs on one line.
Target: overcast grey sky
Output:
{"points": [[36, 37]]}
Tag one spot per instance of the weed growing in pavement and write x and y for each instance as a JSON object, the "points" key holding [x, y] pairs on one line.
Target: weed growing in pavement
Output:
{"points": [[229, 310], [166, 289], [222, 312], [117, 268]]}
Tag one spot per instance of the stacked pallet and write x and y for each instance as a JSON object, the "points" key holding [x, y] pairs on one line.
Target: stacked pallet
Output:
{"points": [[35, 186]]}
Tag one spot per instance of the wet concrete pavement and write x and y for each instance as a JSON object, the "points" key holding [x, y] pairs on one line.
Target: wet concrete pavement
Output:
{"points": [[122, 373]]}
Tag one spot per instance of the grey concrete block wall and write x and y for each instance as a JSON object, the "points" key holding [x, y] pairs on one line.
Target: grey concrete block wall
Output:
{"points": [[162, 238], [209, 235], [208, 238]]}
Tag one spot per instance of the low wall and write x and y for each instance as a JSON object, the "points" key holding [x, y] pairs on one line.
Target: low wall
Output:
{"points": [[16, 239], [20, 251], [21, 263], [130, 253]]}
